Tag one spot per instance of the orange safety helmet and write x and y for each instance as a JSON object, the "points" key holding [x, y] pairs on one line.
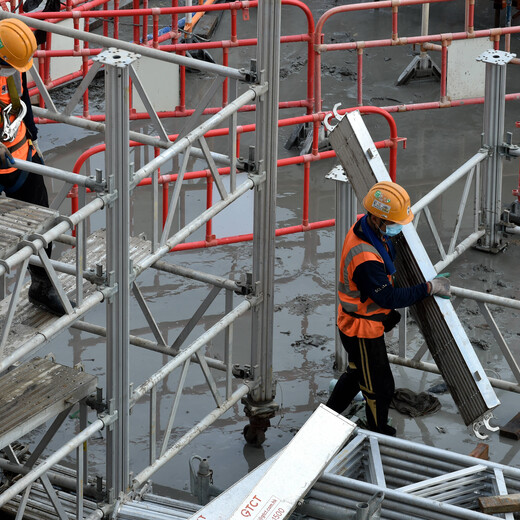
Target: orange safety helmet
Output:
{"points": [[17, 44], [389, 201]]}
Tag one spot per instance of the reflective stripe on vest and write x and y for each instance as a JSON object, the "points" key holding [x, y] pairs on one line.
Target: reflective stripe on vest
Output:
{"points": [[19, 147]]}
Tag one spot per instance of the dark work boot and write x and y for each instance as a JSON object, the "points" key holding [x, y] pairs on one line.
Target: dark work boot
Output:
{"points": [[43, 294]]}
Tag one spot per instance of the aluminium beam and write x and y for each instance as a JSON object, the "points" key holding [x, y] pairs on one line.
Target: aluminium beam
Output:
{"points": [[275, 493], [439, 323], [117, 80]]}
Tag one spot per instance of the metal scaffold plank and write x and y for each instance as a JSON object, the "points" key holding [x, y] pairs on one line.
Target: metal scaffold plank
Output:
{"points": [[29, 320], [275, 494], [439, 323], [45, 388], [20, 219]]}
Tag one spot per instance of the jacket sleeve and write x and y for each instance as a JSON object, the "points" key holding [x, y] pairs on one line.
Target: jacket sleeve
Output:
{"points": [[372, 282], [32, 130]]}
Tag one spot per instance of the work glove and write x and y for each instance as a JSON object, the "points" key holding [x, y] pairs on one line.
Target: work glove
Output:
{"points": [[37, 148], [440, 286], [6, 159], [391, 320]]}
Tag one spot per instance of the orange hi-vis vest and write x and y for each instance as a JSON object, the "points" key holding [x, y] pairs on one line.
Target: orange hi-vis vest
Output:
{"points": [[369, 315], [19, 147]]}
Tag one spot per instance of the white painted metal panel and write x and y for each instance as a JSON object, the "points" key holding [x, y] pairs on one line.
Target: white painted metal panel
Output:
{"points": [[466, 75], [275, 494], [64, 65], [161, 83]]}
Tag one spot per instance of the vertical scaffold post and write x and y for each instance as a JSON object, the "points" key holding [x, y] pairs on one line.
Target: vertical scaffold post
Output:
{"points": [[493, 139], [259, 404], [117, 76], [346, 210]]}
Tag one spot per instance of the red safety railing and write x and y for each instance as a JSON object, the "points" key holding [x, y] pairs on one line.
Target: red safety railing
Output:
{"points": [[425, 41], [211, 240], [168, 37]]}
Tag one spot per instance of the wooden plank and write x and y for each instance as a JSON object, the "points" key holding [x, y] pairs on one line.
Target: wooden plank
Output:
{"points": [[206, 26], [481, 451], [512, 428], [500, 504]]}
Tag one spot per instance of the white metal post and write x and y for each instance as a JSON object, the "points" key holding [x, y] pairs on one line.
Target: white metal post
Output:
{"points": [[117, 169], [493, 138], [261, 404]]}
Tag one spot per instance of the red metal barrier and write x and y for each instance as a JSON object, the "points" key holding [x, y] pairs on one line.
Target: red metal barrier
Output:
{"points": [[211, 240], [425, 41], [314, 37]]}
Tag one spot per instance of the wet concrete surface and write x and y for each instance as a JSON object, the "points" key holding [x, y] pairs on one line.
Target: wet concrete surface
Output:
{"points": [[438, 142]]}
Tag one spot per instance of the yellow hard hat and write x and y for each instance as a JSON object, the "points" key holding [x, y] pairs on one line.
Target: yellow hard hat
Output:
{"points": [[17, 44], [389, 201]]}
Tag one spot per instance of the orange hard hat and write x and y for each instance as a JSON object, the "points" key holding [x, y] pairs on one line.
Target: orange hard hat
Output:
{"points": [[389, 201], [17, 44]]}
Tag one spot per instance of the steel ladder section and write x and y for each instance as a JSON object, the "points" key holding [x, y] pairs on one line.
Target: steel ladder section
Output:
{"points": [[444, 334]]}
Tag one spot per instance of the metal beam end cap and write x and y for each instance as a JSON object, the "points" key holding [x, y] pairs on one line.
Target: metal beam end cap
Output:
{"points": [[496, 57], [116, 57]]}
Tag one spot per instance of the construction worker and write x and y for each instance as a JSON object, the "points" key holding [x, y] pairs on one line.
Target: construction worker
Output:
{"points": [[368, 300], [18, 141]]}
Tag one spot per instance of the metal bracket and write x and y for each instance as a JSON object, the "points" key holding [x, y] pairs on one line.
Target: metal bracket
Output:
{"points": [[116, 57], [99, 186], [38, 236], [242, 371], [509, 151], [335, 114], [484, 422], [110, 197], [248, 165], [5, 265], [96, 402], [68, 220], [264, 410], [97, 276], [250, 76], [245, 284]]}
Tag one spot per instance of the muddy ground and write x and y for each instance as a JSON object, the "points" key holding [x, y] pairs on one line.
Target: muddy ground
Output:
{"points": [[437, 143]]}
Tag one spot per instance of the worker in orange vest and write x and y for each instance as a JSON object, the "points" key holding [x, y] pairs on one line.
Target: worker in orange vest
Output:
{"points": [[18, 140], [368, 300]]}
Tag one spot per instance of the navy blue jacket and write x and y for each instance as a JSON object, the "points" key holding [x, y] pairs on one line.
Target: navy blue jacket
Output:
{"points": [[372, 281]]}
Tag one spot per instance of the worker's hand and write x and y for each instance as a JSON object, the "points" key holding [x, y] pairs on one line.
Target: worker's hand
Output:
{"points": [[440, 286], [6, 159], [391, 320], [37, 149]]}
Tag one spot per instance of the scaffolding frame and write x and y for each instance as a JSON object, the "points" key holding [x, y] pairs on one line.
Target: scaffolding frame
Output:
{"points": [[118, 278]]}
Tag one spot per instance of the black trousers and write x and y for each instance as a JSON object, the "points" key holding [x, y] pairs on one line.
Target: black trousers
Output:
{"points": [[33, 190], [369, 371]]}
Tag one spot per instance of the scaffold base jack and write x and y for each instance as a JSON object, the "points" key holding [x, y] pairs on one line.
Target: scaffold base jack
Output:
{"points": [[259, 419], [421, 67]]}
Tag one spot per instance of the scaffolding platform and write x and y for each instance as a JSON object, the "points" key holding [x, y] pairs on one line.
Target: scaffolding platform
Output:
{"points": [[30, 320], [30, 395], [400, 477], [19, 220], [45, 388]]}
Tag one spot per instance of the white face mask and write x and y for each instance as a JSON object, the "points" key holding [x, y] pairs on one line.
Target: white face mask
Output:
{"points": [[6, 72]]}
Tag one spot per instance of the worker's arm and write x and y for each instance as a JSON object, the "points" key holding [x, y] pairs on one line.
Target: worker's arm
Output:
{"points": [[373, 283]]}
